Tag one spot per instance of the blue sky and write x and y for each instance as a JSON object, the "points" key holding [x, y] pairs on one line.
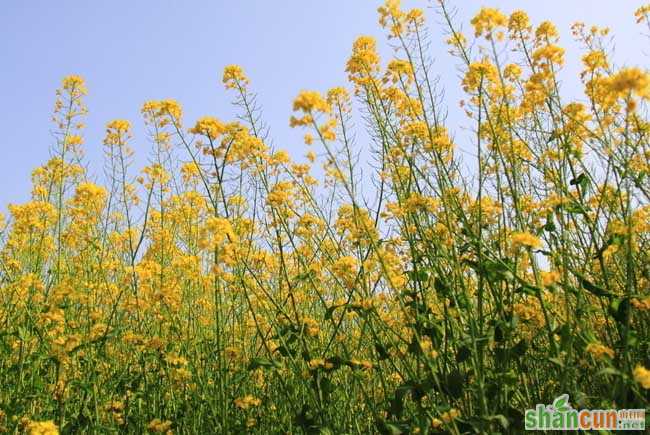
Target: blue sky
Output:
{"points": [[132, 51]]}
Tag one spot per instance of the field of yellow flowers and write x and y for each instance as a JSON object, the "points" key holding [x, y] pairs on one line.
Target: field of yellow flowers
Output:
{"points": [[240, 291]]}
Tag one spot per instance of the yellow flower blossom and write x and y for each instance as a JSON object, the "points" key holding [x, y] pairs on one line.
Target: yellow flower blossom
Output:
{"points": [[449, 416], [599, 350], [233, 76], [209, 126], [309, 101], [364, 62], [642, 376], [246, 402], [487, 20], [519, 23], [631, 80], [75, 85], [520, 238], [160, 426], [642, 14], [479, 74], [42, 428]]}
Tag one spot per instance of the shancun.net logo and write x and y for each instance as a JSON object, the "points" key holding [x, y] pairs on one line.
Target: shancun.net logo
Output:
{"points": [[561, 416]]}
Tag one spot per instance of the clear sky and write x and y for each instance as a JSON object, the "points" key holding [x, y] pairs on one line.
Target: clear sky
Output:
{"points": [[132, 51]]}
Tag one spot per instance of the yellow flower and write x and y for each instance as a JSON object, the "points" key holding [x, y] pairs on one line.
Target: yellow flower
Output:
{"points": [[159, 426], [338, 97], [641, 304], [119, 125], [208, 126], [415, 17], [479, 74], [247, 402], [599, 350], [642, 376], [88, 201], [175, 360], [115, 406], [487, 20], [595, 60], [546, 31], [550, 278], [519, 22], [345, 266], [364, 61], [548, 54], [310, 326], [117, 132], [449, 416], [280, 194], [308, 101], [361, 364], [512, 71], [159, 110], [220, 229], [233, 76], [520, 238], [319, 362], [75, 85], [390, 16], [280, 157], [631, 80], [642, 14], [190, 171], [398, 70], [42, 428]]}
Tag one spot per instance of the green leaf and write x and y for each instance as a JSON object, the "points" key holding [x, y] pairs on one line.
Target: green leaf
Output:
{"points": [[581, 181], [591, 287], [601, 250], [463, 354], [306, 421], [305, 276], [396, 407], [575, 207], [330, 311], [420, 275], [325, 386], [520, 348], [561, 403], [609, 371], [453, 384], [501, 419], [550, 223], [286, 351], [555, 134], [391, 428], [528, 289], [620, 310], [263, 362], [382, 351], [441, 288], [499, 331]]}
